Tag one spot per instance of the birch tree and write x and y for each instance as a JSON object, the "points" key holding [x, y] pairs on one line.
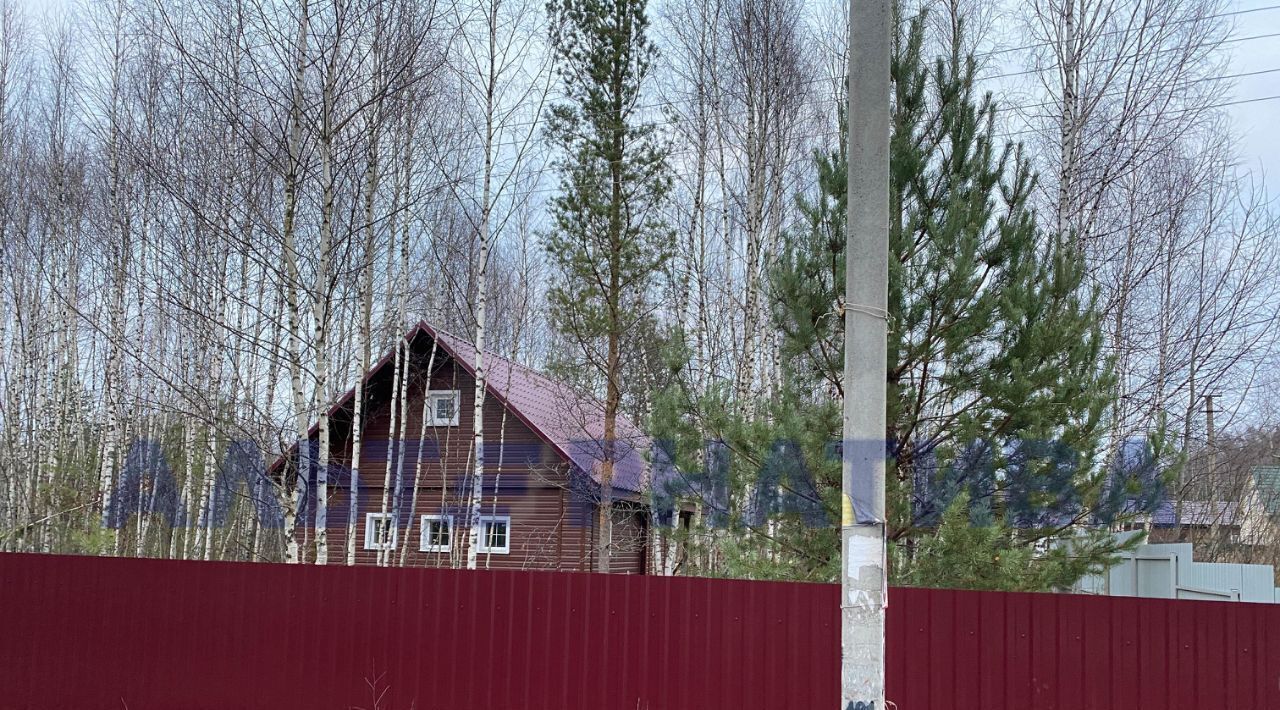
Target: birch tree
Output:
{"points": [[501, 76], [1131, 149], [769, 78]]}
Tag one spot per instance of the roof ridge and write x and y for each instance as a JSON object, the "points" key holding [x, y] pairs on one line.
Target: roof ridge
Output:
{"points": [[531, 370], [471, 341]]}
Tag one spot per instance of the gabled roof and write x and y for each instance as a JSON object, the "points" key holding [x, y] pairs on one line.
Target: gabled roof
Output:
{"points": [[1266, 482], [1197, 512], [571, 422]]}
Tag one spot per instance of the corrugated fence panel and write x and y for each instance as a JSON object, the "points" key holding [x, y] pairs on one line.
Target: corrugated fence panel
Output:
{"points": [[126, 634]]}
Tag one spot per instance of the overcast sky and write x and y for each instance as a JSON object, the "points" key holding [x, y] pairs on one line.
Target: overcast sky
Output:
{"points": [[1257, 123]]}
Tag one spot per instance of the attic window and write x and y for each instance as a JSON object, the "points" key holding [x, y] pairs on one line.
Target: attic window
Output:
{"points": [[442, 407]]}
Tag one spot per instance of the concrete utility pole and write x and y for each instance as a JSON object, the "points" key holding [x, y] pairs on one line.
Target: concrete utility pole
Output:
{"points": [[864, 585], [1210, 444]]}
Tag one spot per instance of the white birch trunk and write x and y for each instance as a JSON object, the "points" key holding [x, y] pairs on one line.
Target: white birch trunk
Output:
{"points": [[320, 300], [417, 465], [293, 503], [482, 292]]}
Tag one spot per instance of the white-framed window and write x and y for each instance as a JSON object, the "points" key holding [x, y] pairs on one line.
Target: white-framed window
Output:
{"points": [[437, 533], [442, 407], [379, 532], [495, 534]]}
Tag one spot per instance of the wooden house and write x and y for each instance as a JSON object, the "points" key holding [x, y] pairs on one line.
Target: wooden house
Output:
{"points": [[541, 483]]}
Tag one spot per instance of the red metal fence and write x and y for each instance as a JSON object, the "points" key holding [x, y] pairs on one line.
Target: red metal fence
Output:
{"points": [[84, 633]]}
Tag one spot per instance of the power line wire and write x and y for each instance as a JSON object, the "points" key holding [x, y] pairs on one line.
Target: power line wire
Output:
{"points": [[1175, 112], [672, 103], [1047, 43], [1001, 105], [1135, 55], [1201, 80], [833, 136]]}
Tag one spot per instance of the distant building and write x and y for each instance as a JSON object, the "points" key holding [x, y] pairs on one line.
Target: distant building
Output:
{"points": [[1193, 520], [1262, 506], [1170, 571]]}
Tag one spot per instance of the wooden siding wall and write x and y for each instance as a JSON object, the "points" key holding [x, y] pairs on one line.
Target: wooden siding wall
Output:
{"points": [[552, 525], [628, 550]]}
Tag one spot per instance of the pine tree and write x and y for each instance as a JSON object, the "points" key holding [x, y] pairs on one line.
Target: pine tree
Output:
{"points": [[961, 555], [997, 384], [609, 242]]}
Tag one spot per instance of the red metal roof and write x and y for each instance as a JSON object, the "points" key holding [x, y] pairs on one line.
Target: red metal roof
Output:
{"points": [[570, 420]]}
